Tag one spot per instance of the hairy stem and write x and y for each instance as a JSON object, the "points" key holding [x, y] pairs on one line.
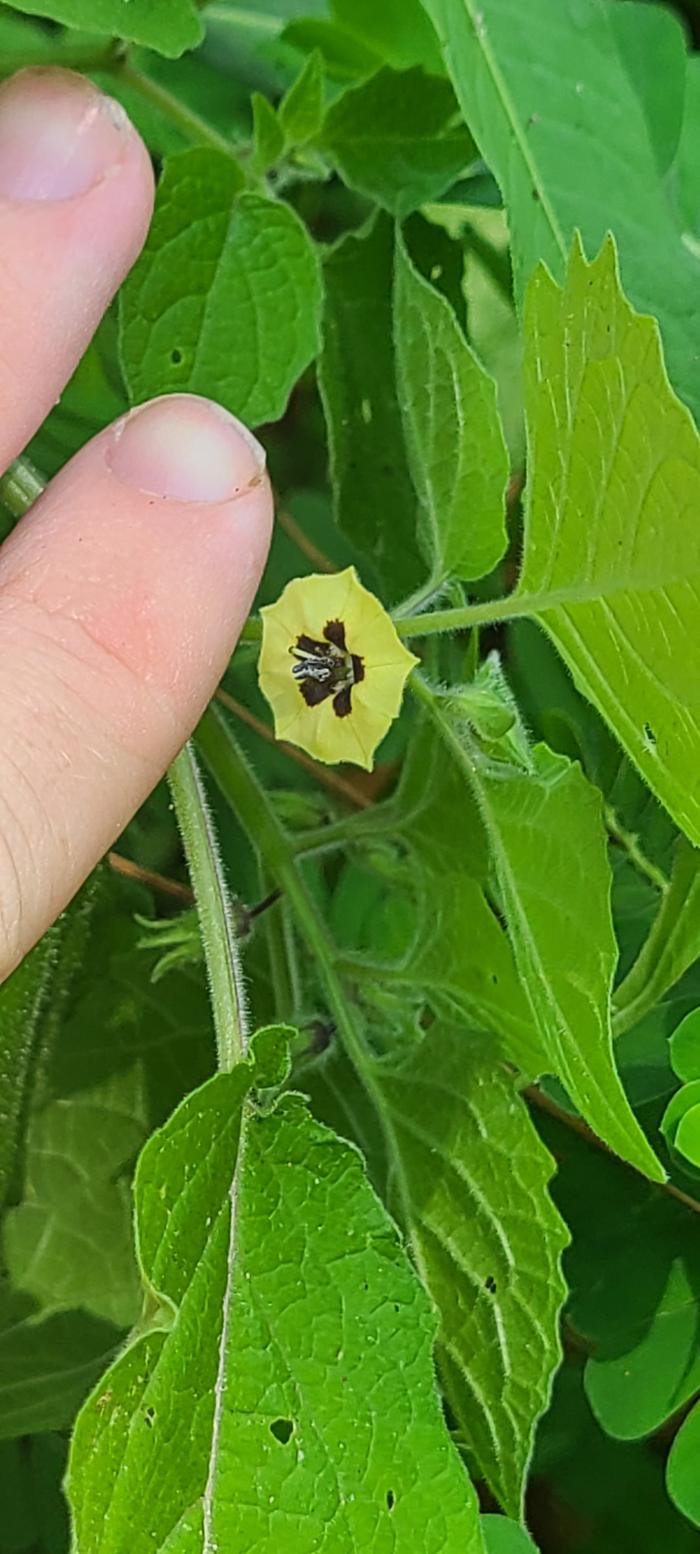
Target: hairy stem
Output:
{"points": [[213, 906], [193, 126]]}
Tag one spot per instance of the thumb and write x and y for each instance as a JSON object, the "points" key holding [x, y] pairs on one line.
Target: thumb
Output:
{"points": [[122, 595]]}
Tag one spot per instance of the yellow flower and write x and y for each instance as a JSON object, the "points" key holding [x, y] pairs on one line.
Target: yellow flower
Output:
{"points": [[332, 667]]}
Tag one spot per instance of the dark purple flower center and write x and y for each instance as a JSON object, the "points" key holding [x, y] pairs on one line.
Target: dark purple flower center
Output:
{"points": [[325, 668]]}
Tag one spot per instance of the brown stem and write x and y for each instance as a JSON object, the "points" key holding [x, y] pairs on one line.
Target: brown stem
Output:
{"points": [[328, 778], [148, 877]]}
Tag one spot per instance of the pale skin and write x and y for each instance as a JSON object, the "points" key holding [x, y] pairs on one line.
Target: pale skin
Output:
{"points": [[123, 591]]}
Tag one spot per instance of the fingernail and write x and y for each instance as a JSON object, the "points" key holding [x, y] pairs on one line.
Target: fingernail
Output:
{"points": [[58, 135], [186, 448]]}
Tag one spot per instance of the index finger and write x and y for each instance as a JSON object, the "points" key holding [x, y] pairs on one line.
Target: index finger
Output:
{"points": [[76, 195]]}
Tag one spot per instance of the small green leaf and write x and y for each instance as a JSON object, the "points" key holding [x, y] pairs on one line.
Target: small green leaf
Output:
{"points": [[170, 26], [292, 1324], [611, 567], [471, 1187], [504, 1537], [682, 1476], [226, 296], [457, 454], [684, 1047], [301, 110], [673, 943], [374, 497], [687, 1139], [549, 848], [398, 138], [268, 135]]}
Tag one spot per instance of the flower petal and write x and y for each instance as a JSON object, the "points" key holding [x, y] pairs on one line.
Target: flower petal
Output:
{"points": [[305, 608]]}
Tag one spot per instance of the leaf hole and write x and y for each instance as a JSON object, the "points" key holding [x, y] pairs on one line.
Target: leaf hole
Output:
{"points": [[176, 357], [149, 1415], [390, 1499], [490, 1284], [649, 736], [283, 1430]]}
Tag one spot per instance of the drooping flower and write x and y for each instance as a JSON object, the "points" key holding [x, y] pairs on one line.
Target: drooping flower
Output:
{"points": [[332, 667]]}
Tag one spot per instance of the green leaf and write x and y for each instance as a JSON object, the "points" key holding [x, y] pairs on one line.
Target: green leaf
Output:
{"points": [[398, 138], [344, 56], [556, 117], [69, 1243], [301, 109], [292, 1324], [684, 177], [652, 42], [634, 1272], [470, 1177], [226, 296], [673, 943], [170, 26], [611, 567], [682, 1476], [374, 497], [549, 849], [684, 1047], [399, 31], [47, 1365], [32, 1007], [268, 135], [457, 454], [504, 1537]]}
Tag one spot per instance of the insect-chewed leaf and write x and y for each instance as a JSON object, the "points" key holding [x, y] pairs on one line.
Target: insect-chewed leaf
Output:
{"points": [[287, 1398]]}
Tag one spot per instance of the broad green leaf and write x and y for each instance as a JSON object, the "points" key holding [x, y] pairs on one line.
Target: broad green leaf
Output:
{"points": [[398, 138], [652, 41], [374, 497], [301, 109], [470, 1179], [461, 958], [502, 1536], [682, 1475], [47, 1364], [69, 1242], [457, 455], [344, 55], [684, 176], [170, 26], [549, 849], [611, 567], [673, 943], [553, 110], [293, 1326], [225, 298], [399, 31]]}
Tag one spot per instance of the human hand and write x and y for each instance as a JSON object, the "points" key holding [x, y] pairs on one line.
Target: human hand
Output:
{"points": [[123, 592]]}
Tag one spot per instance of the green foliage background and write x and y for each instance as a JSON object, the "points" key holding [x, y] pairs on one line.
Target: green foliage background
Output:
{"points": [[415, 1267]]}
